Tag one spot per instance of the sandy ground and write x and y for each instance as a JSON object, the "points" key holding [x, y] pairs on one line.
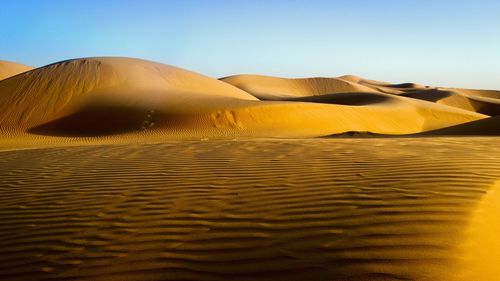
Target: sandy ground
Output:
{"points": [[125, 169], [321, 209]]}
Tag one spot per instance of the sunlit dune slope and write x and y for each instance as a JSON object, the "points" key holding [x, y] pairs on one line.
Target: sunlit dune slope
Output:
{"points": [[371, 102], [485, 102], [275, 88], [9, 69], [122, 90]]}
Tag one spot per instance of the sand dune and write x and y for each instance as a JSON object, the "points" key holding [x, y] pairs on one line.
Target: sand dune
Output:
{"points": [[69, 87], [274, 88], [349, 209], [9, 69], [485, 102], [109, 96], [487, 127]]}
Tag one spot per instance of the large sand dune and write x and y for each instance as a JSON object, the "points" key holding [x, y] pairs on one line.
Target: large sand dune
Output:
{"points": [[109, 96]]}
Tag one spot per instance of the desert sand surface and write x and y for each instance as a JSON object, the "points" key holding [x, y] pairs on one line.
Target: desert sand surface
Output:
{"points": [[125, 169], [310, 209]]}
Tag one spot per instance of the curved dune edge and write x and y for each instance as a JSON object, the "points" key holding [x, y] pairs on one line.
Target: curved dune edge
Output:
{"points": [[276, 88], [483, 102], [487, 127], [9, 69], [253, 119], [482, 247], [48, 93]]}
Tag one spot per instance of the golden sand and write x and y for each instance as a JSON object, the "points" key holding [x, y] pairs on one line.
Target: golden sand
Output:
{"points": [[126, 169], [321, 209], [9, 69]]}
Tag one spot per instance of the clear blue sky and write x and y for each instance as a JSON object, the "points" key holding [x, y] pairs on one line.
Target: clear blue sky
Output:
{"points": [[436, 42]]}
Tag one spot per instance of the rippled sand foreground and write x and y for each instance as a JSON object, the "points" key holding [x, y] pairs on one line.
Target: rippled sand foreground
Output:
{"points": [[317, 209]]}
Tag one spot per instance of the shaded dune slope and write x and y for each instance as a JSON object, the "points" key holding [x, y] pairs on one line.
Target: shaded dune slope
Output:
{"points": [[377, 101], [482, 101], [488, 127], [9, 69], [476, 101], [113, 88]]}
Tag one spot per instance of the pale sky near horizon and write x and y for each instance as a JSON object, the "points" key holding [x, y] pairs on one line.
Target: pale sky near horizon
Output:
{"points": [[433, 42]]}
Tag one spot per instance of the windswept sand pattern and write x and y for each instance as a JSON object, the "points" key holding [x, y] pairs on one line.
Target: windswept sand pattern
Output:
{"points": [[323, 209]]}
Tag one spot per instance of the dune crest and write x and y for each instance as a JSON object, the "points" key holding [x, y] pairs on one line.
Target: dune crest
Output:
{"points": [[274, 88], [61, 89]]}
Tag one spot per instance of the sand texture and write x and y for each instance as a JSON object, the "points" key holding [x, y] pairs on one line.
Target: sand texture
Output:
{"points": [[120, 169], [321, 209]]}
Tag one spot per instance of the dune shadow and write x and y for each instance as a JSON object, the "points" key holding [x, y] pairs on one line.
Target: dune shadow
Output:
{"points": [[356, 99], [97, 120], [432, 95], [404, 86]]}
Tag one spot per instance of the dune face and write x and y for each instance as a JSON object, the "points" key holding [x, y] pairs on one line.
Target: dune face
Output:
{"points": [[9, 69], [274, 88], [77, 87], [487, 127], [476, 101]]}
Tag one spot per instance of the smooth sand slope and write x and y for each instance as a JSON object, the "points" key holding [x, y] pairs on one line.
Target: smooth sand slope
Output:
{"points": [[109, 96], [319, 209], [9, 69]]}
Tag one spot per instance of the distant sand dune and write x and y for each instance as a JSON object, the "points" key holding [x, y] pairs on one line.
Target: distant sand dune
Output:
{"points": [[487, 127], [485, 102], [274, 88], [9, 69]]}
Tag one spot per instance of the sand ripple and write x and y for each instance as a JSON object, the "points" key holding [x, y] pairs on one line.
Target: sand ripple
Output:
{"points": [[357, 209]]}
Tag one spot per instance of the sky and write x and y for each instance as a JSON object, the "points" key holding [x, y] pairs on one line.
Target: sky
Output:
{"points": [[452, 43]]}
